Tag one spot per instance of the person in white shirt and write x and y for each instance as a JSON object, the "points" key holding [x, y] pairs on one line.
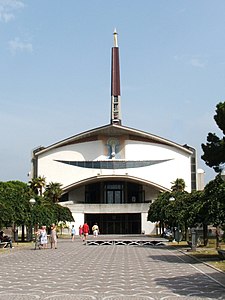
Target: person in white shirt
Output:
{"points": [[95, 230]]}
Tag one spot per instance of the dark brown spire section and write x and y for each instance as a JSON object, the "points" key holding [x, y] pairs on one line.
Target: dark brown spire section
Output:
{"points": [[115, 84]]}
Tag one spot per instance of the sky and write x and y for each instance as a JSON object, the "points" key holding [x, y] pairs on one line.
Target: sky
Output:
{"points": [[55, 72]]}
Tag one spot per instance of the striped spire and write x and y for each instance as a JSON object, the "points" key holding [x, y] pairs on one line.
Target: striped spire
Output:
{"points": [[115, 83]]}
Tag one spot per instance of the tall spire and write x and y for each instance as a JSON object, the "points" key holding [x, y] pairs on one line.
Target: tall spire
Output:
{"points": [[115, 83]]}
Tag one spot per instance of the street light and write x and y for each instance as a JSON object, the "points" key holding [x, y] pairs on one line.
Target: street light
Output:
{"points": [[32, 201], [171, 199]]}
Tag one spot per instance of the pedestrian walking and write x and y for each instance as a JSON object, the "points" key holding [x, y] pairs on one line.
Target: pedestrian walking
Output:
{"points": [[53, 237], [95, 230], [81, 231], [85, 231], [43, 237], [73, 232]]}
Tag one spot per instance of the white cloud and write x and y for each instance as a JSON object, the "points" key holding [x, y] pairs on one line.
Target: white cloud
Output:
{"points": [[195, 62], [17, 45], [7, 9]]}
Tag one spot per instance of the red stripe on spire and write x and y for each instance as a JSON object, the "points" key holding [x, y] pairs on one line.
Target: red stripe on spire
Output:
{"points": [[115, 75]]}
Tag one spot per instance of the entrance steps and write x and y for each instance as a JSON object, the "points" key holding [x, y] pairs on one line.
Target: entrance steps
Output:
{"points": [[129, 240]]}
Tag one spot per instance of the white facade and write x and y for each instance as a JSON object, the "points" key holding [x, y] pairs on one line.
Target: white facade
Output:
{"points": [[108, 156]]}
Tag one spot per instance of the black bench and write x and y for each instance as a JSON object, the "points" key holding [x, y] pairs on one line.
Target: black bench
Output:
{"points": [[221, 254], [4, 244]]}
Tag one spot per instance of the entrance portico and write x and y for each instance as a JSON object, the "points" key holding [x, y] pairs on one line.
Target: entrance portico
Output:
{"points": [[118, 206]]}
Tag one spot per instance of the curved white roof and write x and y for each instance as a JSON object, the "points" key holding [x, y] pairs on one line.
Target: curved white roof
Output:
{"points": [[113, 130]]}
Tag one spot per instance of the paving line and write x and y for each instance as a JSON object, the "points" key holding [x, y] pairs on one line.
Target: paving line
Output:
{"points": [[196, 268]]}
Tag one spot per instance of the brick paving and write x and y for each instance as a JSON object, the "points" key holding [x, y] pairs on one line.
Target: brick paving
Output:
{"points": [[77, 271]]}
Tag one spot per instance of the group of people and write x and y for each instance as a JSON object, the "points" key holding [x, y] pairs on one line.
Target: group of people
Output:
{"points": [[84, 231], [42, 237]]}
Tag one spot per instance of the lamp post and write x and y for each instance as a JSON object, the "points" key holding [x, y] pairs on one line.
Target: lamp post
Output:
{"points": [[32, 201], [172, 199], [177, 233]]}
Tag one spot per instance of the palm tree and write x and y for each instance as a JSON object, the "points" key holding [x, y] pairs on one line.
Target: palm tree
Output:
{"points": [[37, 184], [178, 185], [53, 191]]}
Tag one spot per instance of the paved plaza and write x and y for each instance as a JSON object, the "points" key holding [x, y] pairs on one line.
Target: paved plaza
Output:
{"points": [[77, 271]]}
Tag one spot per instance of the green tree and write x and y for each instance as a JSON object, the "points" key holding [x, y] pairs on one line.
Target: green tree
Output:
{"points": [[15, 208], [214, 149], [185, 209], [14, 196], [178, 185], [37, 184], [189, 215], [45, 212], [157, 210], [213, 205], [190, 208], [53, 191], [63, 214]]}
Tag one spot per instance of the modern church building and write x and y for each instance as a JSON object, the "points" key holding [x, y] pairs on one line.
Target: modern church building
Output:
{"points": [[111, 174]]}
